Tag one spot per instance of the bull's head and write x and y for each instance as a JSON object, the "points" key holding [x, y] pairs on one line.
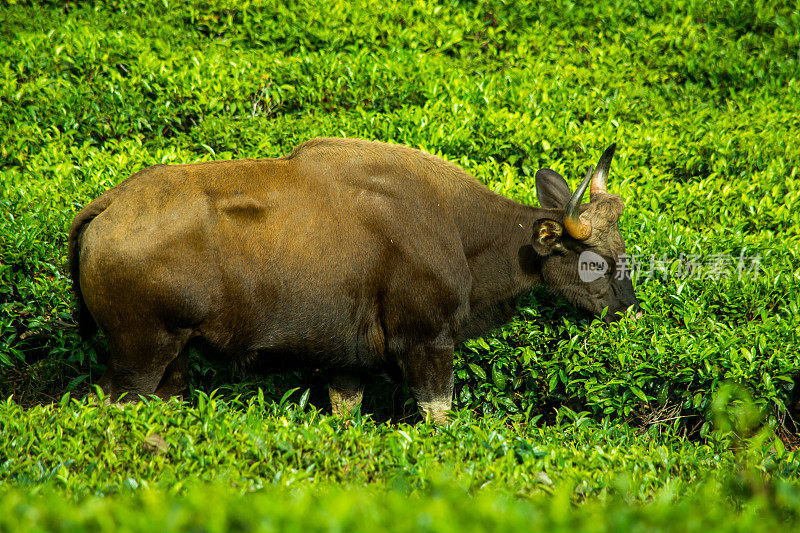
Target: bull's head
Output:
{"points": [[583, 255]]}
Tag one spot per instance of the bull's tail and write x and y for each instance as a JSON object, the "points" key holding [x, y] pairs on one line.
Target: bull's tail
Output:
{"points": [[86, 323]]}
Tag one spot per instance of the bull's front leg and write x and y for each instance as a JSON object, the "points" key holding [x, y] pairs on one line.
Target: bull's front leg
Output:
{"points": [[428, 370], [173, 383], [346, 392]]}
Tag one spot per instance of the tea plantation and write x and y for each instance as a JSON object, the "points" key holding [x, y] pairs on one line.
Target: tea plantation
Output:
{"points": [[683, 420]]}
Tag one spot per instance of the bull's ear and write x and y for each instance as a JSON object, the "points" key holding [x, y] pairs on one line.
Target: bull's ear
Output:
{"points": [[547, 236], [551, 189]]}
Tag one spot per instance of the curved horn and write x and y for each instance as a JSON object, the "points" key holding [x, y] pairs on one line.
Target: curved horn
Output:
{"points": [[600, 177], [578, 228]]}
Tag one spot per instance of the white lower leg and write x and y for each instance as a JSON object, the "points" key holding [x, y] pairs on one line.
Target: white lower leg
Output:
{"points": [[437, 409], [346, 393]]}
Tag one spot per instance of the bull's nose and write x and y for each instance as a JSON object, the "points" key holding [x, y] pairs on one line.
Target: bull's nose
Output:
{"points": [[638, 313]]}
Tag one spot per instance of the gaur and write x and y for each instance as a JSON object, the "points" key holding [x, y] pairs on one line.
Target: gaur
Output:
{"points": [[350, 256]]}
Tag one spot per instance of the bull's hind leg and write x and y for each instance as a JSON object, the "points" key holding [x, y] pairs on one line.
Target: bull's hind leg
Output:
{"points": [[428, 370], [346, 392], [139, 357]]}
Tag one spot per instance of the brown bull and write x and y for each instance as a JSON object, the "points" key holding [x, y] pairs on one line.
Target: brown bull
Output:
{"points": [[352, 256]]}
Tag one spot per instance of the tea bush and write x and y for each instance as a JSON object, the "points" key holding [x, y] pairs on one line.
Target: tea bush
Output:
{"points": [[697, 96], [701, 98]]}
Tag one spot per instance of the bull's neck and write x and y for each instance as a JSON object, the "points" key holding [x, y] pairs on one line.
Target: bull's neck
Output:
{"points": [[496, 234]]}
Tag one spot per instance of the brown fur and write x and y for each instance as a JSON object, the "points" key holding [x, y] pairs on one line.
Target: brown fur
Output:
{"points": [[350, 255]]}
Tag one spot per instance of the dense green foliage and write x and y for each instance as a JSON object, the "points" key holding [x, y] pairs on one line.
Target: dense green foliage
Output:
{"points": [[299, 461], [255, 443], [701, 98], [442, 508]]}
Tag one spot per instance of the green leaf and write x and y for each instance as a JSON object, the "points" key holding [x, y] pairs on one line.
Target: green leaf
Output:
{"points": [[286, 396], [639, 393], [498, 378], [304, 399], [74, 382], [478, 371], [553, 382]]}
